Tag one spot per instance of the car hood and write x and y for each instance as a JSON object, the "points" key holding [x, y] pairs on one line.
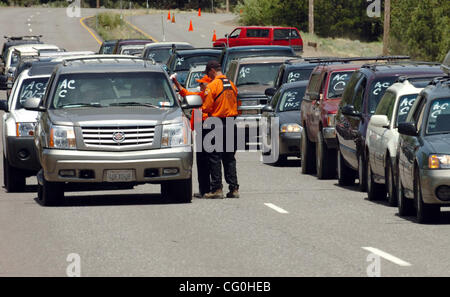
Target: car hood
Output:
{"points": [[289, 117], [114, 115], [440, 143], [252, 90], [23, 115]]}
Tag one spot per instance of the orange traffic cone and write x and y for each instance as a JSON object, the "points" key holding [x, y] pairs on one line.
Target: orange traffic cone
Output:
{"points": [[214, 36], [168, 16], [173, 18], [199, 12], [191, 28]]}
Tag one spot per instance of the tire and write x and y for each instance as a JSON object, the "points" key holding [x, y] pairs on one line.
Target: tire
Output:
{"points": [[308, 155], [346, 175], [13, 178], [405, 205], [426, 213], [374, 191], [325, 159], [391, 190], [362, 175], [178, 191], [51, 193]]}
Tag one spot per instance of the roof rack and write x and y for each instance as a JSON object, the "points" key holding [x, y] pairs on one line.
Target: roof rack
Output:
{"points": [[347, 60], [199, 48], [23, 37], [404, 78], [102, 57]]}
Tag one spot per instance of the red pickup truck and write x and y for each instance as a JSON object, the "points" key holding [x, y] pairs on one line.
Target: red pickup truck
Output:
{"points": [[286, 36]]}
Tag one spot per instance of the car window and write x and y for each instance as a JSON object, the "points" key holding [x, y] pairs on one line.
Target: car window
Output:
{"points": [[14, 59], [337, 84], [280, 75], [235, 33], [376, 91], [291, 99], [284, 34], [260, 33], [404, 106], [257, 74], [314, 84], [359, 94], [299, 74], [185, 63], [107, 49], [31, 87], [275, 99], [347, 96], [242, 54], [439, 117], [386, 105], [193, 83], [105, 89], [160, 55]]}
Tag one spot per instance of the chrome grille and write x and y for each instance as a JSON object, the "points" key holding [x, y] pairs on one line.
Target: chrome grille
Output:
{"points": [[105, 136]]}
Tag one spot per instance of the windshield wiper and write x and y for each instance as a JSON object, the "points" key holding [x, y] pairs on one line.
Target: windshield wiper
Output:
{"points": [[249, 83], [133, 103], [94, 104]]}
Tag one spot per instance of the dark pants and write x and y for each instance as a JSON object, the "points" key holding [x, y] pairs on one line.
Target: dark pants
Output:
{"points": [[228, 160], [203, 173]]}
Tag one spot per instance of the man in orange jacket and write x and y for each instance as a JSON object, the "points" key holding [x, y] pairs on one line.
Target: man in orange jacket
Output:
{"points": [[203, 171], [221, 102]]}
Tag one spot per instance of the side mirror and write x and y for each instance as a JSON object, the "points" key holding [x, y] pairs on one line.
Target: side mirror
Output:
{"points": [[270, 92], [349, 110], [226, 35], [379, 121], [409, 129], [4, 105], [33, 104], [192, 101], [267, 108]]}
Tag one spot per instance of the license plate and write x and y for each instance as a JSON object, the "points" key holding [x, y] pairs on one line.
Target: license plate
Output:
{"points": [[120, 175]]}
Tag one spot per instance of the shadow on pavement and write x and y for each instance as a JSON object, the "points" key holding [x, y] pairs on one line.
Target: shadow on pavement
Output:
{"points": [[444, 219]]}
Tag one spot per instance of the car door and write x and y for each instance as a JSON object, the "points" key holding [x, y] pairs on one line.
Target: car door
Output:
{"points": [[316, 114], [233, 38], [307, 106]]}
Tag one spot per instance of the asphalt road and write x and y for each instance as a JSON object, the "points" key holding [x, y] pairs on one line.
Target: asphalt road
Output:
{"points": [[284, 224]]}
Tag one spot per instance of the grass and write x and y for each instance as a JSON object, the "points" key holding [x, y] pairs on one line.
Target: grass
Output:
{"points": [[110, 26]]}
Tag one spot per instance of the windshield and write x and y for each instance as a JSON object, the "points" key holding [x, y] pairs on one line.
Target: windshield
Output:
{"points": [[112, 89], [108, 48], [377, 89], [404, 106], [185, 63], [439, 117], [299, 74], [193, 83], [160, 55], [258, 74], [291, 99], [131, 51], [338, 81], [31, 87]]}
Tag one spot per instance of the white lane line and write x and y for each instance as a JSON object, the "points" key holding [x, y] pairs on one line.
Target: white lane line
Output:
{"points": [[202, 36], [276, 208], [29, 24], [387, 256], [31, 30], [31, 16], [28, 20]]}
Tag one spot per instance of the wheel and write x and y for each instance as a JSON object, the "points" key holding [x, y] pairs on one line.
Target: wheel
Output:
{"points": [[325, 159], [308, 155], [390, 184], [51, 193], [179, 191], [346, 175], [405, 205], [362, 175], [374, 191], [13, 178], [426, 213]]}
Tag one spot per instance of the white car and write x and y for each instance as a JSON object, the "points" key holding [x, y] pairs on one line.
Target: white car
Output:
{"points": [[195, 73], [382, 136], [19, 155]]}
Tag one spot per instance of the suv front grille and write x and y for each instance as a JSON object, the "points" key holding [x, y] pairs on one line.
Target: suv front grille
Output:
{"points": [[118, 136]]}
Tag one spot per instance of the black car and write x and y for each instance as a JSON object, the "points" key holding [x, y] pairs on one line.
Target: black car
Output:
{"points": [[285, 107], [181, 61], [123, 42], [359, 101]]}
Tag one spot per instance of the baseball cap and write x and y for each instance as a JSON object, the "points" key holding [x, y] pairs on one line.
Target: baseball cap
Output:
{"points": [[205, 80], [213, 64]]}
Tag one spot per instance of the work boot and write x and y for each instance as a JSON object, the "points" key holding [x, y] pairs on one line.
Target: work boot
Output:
{"points": [[217, 194], [198, 195], [233, 194]]}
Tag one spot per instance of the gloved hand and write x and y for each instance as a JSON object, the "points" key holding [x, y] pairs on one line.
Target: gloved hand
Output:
{"points": [[173, 76]]}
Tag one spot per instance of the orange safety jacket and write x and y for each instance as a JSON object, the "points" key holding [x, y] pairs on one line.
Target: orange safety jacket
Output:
{"points": [[221, 98], [183, 93]]}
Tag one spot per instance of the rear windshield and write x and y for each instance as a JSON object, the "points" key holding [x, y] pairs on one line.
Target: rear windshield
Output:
{"points": [[131, 51], [112, 89], [160, 55], [285, 34], [108, 48], [292, 99], [193, 83], [338, 81], [376, 91], [265, 53], [299, 74], [185, 63], [439, 117], [258, 74], [404, 106], [31, 87]]}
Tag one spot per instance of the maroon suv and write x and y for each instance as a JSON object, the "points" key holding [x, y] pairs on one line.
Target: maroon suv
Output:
{"points": [[318, 112]]}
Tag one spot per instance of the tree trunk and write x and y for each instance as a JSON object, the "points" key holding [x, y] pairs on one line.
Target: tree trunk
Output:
{"points": [[311, 17], [386, 26]]}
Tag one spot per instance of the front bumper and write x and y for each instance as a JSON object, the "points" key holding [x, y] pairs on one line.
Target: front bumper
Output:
{"points": [[98, 162], [430, 181], [21, 153], [290, 144]]}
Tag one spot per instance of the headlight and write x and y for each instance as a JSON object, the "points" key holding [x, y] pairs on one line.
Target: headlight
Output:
{"points": [[331, 120], [439, 161], [291, 128], [175, 135], [62, 138], [25, 129]]}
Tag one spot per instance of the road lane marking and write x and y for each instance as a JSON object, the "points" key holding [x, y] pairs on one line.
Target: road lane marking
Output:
{"points": [[29, 24], [88, 29], [276, 208], [31, 30], [387, 256], [141, 31], [203, 36]]}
